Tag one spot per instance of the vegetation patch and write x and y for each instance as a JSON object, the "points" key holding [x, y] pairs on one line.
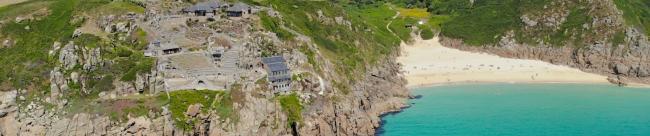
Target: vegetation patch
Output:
{"points": [[274, 25], [426, 34], [179, 101], [10, 12], [636, 13], [121, 109], [29, 63], [291, 107], [419, 13], [483, 22], [402, 27]]}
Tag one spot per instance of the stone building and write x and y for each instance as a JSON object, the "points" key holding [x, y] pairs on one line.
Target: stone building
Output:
{"points": [[279, 75], [205, 8], [238, 10]]}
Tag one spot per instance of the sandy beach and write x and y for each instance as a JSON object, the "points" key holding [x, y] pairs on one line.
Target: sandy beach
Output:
{"points": [[426, 63]]}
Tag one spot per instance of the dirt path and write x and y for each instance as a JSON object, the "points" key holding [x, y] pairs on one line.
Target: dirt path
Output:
{"points": [[9, 2], [391, 22]]}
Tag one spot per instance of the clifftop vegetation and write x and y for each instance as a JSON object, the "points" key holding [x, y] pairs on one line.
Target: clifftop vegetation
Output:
{"points": [[485, 22]]}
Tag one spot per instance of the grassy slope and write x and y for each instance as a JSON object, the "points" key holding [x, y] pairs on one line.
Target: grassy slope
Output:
{"points": [[27, 62], [636, 13], [484, 22], [480, 23], [338, 41]]}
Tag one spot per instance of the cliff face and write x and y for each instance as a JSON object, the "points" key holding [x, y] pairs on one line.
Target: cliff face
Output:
{"points": [[380, 90], [611, 47]]}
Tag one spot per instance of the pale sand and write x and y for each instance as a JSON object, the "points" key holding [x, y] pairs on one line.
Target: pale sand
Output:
{"points": [[9, 2], [426, 63]]}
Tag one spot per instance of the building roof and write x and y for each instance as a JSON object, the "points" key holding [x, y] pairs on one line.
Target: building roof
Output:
{"points": [[273, 59], [238, 7], [277, 66], [273, 78], [205, 6], [168, 46]]}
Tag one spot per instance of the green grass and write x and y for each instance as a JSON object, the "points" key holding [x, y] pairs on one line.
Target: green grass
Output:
{"points": [[218, 101], [435, 22], [273, 25], [636, 13], [291, 107], [485, 22], [481, 23], [418, 13], [88, 40], [427, 34], [399, 27], [27, 64], [11, 11]]}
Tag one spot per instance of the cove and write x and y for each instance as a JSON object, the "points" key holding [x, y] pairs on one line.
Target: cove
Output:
{"points": [[523, 109]]}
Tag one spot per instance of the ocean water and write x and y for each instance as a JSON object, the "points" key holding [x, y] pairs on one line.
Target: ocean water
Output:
{"points": [[523, 110]]}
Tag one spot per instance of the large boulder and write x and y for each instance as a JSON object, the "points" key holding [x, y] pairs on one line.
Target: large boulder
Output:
{"points": [[193, 110], [621, 69]]}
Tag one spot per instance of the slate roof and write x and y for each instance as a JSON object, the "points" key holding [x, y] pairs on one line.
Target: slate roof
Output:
{"points": [[168, 46], [273, 78], [205, 6], [238, 7], [273, 59], [277, 66]]}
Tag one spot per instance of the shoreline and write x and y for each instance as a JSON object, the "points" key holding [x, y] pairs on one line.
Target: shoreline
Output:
{"points": [[487, 82]]}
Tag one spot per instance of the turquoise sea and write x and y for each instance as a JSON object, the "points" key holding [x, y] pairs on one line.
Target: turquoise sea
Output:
{"points": [[523, 110]]}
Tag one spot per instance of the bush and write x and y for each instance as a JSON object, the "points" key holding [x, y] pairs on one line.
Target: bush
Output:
{"points": [[426, 34]]}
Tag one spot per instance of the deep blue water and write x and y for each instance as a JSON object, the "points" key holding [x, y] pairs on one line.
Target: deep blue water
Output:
{"points": [[524, 110]]}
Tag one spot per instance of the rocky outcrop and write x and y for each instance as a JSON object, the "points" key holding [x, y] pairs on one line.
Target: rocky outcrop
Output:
{"points": [[92, 58], [379, 91], [68, 56]]}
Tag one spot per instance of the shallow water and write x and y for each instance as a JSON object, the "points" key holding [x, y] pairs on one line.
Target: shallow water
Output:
{"points": [[524, 109]]}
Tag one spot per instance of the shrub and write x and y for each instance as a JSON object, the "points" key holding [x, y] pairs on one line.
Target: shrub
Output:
{"points": [[426, 34]]}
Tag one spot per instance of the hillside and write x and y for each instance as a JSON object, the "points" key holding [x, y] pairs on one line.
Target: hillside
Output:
{"points": [[87, 62], [605, 37]]}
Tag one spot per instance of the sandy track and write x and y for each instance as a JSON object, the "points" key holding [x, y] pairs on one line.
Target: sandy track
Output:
{"points": [[426, 62]]}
